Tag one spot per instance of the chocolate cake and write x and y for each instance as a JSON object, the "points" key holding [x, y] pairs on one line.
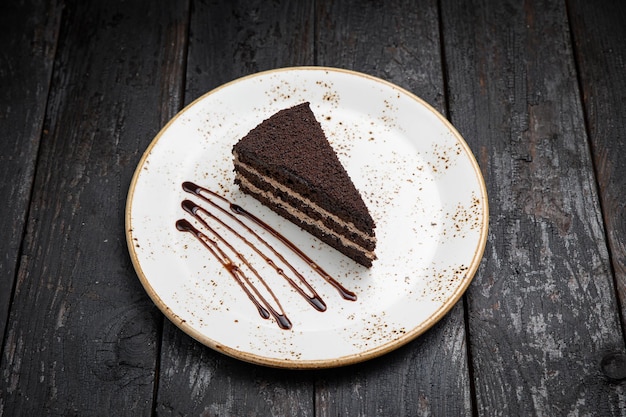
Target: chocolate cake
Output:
{"points": [[287, 163]]}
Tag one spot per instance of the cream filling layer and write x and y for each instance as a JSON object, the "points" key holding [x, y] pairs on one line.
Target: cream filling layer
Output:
{"points": [[324, 213], [303, 217]]}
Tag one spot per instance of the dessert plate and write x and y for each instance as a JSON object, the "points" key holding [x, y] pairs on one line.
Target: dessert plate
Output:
{"points": [[417, 175]]}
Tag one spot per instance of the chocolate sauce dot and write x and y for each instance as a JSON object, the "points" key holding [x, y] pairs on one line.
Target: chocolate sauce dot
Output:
{"points": [[189, 206], [346, 294], [190, 187], [263, 312], [283, 322], [237, 209], [318, 303], [183, 225]]}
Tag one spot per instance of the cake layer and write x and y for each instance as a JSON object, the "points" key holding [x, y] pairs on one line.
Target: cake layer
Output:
{"points": [[315, 228], [308, 208]]}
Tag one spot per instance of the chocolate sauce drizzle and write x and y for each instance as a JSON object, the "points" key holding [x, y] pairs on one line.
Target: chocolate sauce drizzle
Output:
{"points": [[211, 243]]}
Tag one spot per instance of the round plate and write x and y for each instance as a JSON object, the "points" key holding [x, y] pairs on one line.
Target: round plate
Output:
{"points": [[415, 172]]}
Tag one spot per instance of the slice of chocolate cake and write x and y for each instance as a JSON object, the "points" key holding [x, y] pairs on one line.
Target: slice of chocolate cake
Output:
{"points": [[287, 163]]}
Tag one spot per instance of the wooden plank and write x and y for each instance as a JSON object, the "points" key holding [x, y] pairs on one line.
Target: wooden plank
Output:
{"points": [[229, 40], [599, 32], [196, 380], [82, 335], [28, 41], [397, 41], [542, 310], [428, 376]]}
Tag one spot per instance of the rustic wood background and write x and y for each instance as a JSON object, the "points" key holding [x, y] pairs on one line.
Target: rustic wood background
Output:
{"points": [[537, 88]]}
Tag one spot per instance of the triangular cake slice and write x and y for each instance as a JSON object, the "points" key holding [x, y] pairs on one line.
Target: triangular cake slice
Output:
{"points": [[287, 164]]}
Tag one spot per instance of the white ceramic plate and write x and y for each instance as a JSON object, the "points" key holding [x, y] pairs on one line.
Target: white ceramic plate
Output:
{"points": [[415, 172]]}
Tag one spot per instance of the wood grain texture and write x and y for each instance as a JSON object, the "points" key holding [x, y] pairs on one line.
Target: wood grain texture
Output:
{"points": [[82, 334], [198, 381], [28, 41], [229, 40], [542, 309], [427, 377], [598, 33], [399, 42], [537, 88]]}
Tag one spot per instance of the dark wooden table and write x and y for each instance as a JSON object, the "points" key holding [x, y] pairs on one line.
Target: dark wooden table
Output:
{"points": [[537, 88]]}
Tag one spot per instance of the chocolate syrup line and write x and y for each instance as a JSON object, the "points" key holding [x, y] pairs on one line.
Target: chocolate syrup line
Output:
{"points": [[264, 308], [315, 300], [194, 189], [193, 209]]}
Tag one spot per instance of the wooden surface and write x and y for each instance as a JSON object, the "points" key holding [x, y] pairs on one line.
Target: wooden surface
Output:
{"points": [[538, 90]]}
